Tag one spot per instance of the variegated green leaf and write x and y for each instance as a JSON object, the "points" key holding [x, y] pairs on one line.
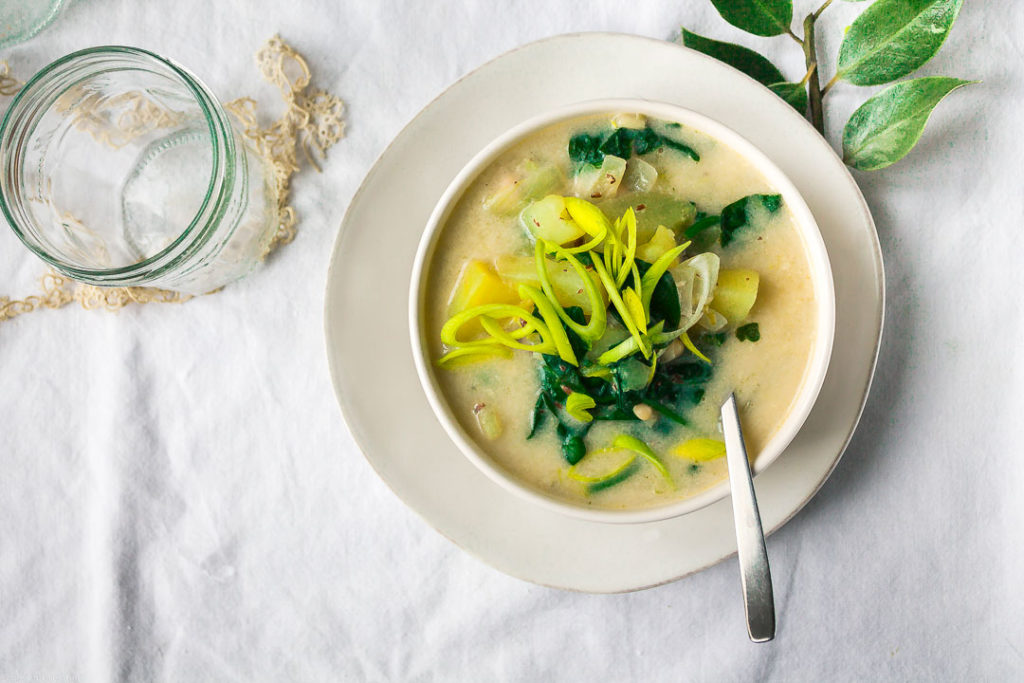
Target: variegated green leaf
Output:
{"points": [[760, 17], [888, 125], [892, 38]]}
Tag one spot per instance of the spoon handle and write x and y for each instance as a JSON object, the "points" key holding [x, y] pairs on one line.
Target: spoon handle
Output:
{"points": [[755, 575]]}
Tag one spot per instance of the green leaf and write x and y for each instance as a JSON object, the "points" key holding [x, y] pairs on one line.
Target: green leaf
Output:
{"points": [[795, 94], [736, 56], [585, 149], [888, 125], [740, 213], [664, 298], [893, 38], [760, 17], [749, 332]]}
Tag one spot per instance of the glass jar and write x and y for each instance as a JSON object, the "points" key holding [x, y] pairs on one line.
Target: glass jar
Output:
{"points": [[121, 168], [23, 19]]}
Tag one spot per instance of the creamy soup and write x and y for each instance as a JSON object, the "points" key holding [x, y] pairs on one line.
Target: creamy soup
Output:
{"points": [[619, 410]]}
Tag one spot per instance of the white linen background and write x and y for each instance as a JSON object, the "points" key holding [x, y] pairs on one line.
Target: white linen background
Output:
{"points": [[181, 500]]}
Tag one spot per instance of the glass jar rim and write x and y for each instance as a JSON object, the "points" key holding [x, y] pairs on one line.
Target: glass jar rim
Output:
{"points": [[31, 29], [217, 191]]}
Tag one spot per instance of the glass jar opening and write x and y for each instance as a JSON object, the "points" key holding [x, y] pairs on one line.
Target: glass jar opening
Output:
{"points": [[116, 162]]}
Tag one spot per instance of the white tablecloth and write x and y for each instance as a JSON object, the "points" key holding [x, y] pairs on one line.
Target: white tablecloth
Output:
{"points": [[180, 499]]}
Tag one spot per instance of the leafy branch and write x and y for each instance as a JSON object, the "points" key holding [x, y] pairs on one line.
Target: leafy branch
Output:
{"points": [[889, 40]]}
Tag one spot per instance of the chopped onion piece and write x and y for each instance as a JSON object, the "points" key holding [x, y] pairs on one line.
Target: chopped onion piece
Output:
{"points": [[695, 280], [640, 175]]}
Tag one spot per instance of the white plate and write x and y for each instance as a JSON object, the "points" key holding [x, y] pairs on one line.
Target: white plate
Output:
{"points": [[375, 379]]}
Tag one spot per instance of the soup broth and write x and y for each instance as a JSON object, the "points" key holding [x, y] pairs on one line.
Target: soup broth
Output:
{"points": [[664, 396]]}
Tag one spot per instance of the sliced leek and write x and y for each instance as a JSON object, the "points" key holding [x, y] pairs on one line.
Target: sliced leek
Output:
{"points": [[602, 465], [450, 330], [577, 404], [556, 333], [692, 348], [595, 327], [700, 450], [639, 447], [472, 354]]}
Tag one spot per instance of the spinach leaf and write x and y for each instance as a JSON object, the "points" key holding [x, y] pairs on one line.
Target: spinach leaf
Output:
{"points": [[579, 346], [666, 411], [538, 415], [558, 379], [701, 224], [619, 143], [679, 384], [617, 479], [573, 448], [664, 299], [646, 140], [585, 149], [712, 339], [749, 332], [680, 147], [738, 214]]}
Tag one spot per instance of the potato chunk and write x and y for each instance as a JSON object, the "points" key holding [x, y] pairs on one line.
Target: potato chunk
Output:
{"points": [[547, 219], [569, 290], [478, 285], [735, 294]]}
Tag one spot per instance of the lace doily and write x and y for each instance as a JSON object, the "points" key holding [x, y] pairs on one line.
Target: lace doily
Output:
{"points": [[312, 121]]}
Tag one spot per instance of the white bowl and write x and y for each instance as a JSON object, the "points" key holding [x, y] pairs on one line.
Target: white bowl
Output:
{"points": [[821, 274]]}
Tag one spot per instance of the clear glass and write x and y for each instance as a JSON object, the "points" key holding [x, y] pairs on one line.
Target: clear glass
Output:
{"points": [[23, 19], [120, 168]]}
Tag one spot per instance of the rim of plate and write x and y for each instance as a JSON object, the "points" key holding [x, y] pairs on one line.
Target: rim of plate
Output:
{"points": [[814, 246]]}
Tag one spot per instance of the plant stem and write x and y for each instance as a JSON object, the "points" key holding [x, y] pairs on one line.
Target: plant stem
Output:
{"points": [[813, 86], [807, 76], [828, 86], [794, 36], [821, 9]]}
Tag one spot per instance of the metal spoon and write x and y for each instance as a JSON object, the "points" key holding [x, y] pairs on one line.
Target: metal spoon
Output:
{"points": [[755, 575]]}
